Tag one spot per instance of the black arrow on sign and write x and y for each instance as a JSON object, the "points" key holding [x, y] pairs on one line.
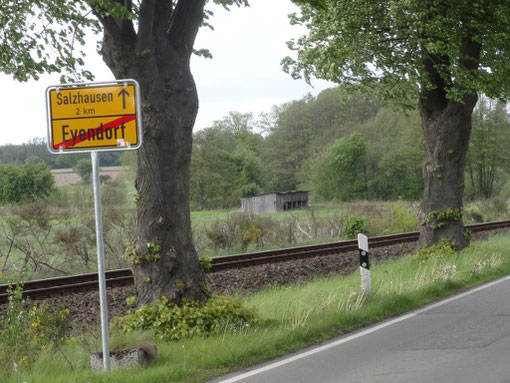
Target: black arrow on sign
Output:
{"points": [[123, 93]]}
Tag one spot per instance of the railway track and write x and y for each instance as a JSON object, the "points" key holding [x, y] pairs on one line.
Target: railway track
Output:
{"points": [[44, 288]]}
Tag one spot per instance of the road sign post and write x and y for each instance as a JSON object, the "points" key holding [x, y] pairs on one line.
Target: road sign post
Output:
{"points": [[89, 118], [103, 302]]}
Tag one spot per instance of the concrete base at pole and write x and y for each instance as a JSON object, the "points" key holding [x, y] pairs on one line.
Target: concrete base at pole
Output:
{"points": [[125, 358]]}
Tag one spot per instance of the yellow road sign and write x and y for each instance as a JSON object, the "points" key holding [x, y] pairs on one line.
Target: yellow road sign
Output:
{"points": [[94, 116]]}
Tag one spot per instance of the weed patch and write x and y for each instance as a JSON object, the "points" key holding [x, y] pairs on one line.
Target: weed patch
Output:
{"points": [[171, 322], [27, 330]]}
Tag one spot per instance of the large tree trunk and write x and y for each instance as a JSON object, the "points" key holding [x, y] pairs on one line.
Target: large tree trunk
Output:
{"points": [[447, 127], [165, 262], [170, 265]]}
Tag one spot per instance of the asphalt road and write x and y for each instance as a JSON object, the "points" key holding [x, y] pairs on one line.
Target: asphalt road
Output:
{"points": [[463, 339]]}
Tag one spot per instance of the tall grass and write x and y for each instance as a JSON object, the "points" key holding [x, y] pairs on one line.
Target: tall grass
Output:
{"points": [[68, 244], [57, 236], [294, 317]]}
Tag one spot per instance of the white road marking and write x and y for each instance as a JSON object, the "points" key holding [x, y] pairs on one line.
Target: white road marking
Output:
{"points": [[360, 334]]}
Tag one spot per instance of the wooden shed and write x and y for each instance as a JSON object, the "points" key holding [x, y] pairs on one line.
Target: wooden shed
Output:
{"points": [[274, 202]]}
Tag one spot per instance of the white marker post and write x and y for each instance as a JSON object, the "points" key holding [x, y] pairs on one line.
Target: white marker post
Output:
{"points": [[364, 263]]}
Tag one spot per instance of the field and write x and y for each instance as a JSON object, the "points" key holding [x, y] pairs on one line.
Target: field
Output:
{"points": [[65, 177], [57, 236]]}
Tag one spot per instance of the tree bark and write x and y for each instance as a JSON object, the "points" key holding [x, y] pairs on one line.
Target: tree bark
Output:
{"points": [[162, 184], [446, 127], [165, 262], [446, 138]]}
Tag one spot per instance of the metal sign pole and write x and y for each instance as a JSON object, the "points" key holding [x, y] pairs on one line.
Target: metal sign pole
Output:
{"points": [[100, 261], [364, 263], [116, 125]]}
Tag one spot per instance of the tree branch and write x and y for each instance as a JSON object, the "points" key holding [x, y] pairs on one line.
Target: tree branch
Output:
{"points": [[154, 22], [164, 11], [184, 24], [433, 97], [117, 29], [146, 23]]}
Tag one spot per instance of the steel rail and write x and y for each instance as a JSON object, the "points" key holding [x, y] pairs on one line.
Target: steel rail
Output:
{"points": [[59, 286]]}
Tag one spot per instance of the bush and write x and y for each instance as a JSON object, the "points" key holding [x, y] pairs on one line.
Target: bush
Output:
{"points": [[399, 217], [26, 331], [250, 190], [225, 234], [84, 169], [473, 214], [171, 322], [254, 234], [495, 208], [242, 229], [353, 226], [27, 182], [440, 250], [403, 217], [218, 237]]}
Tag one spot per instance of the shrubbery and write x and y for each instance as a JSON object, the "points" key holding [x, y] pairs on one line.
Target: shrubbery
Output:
{"points": [[240, 228], [171, 322], [443, 249], [56, 236], [472, 213], [353, 226], [25, 331], [84, 169], [27, 182]]}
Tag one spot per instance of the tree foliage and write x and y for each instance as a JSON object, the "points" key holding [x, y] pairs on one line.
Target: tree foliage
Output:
{"points": [[301, 144], [84, 169], [338, 173], [226, 163], [433, 54], [389, 168], [36, 150], [488, 158], [151, 42], [380, 45], [47, 36], [39, 37], [304, 127]]}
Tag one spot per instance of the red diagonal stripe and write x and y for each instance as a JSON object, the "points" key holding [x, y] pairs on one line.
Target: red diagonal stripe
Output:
{"points": [[110, 125]]}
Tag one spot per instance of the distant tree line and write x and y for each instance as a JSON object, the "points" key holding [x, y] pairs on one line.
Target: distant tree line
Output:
{"points": [[36, 150], [25, 170], [339, 146]]}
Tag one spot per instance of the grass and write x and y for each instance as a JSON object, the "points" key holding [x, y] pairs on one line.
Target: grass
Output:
{"points": [[226, 232], [293, 317], [207, 217]]}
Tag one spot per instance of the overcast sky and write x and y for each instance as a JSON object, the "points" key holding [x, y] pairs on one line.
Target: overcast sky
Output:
{"points": [[244, 75]]}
